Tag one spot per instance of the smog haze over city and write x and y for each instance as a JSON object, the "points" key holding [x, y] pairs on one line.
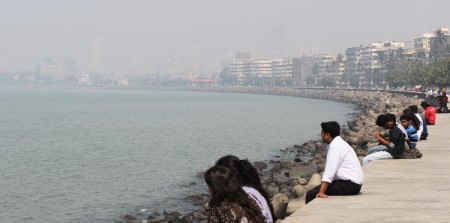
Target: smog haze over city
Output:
{"points": [[150, 32]]}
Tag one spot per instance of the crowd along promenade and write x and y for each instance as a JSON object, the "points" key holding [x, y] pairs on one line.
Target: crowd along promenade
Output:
{"points": [[412, 190]]}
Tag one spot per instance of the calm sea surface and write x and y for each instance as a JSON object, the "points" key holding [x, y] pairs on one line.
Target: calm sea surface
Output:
{"points": [[91, 155]]}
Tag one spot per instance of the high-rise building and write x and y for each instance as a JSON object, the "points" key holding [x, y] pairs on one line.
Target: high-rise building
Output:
{"points": [[186, 63], [240, 66], [2, 66], [302, 68], [277, 42], [96, 64], [50, 70]]}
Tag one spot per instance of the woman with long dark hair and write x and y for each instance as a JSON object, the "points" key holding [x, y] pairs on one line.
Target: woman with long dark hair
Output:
{"points": [[251, 183], [229, 203], [413, 118]]}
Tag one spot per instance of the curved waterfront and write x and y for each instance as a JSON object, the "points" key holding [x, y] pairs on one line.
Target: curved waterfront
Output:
{"points": [[91, 155]]}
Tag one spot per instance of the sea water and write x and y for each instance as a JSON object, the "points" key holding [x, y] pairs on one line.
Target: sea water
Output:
{"points": [[91, 155]]}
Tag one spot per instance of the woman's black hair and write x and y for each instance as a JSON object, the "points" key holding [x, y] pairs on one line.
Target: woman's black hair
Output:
{"points": [[247, 175], [415, 121], [225, 187]]}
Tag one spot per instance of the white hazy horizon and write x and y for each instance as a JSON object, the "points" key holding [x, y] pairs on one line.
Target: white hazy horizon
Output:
{"points": [[150, 32]]}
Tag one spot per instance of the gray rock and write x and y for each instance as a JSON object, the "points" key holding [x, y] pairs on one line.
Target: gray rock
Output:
{"points": [[302, 172]]}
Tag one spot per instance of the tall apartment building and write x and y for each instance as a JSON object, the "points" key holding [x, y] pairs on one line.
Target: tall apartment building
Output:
{"points": [[239, 66], [50, 70], [369, 55], [96, 63], [186, 62], [261, 71], [422, 45], [260, 68], [277, 42], [282, 71], [363, 61], [302, 68], [327, 65], [2, 66]]}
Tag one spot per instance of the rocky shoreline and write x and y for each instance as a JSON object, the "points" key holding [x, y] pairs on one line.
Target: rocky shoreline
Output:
{"points": [[287, 180]]}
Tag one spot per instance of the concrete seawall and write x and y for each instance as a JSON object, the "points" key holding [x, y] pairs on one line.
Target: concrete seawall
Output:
{"points": [[414, 190]]}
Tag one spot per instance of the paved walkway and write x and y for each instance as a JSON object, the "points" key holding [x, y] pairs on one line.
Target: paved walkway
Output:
{"points": [[395, 190]]}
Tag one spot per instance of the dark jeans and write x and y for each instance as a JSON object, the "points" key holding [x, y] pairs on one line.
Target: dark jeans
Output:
{"points": [[337, 187]]}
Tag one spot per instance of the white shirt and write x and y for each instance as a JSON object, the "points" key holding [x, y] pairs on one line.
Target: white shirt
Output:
{"points": [[261, 201], [420, 130], [342, 163]]}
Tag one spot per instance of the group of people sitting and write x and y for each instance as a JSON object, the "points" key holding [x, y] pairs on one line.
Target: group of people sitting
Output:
{"points": [[237, 194], [403, 136]]}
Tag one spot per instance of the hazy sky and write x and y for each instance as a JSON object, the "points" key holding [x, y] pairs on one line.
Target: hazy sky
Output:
{"points": [[152, 29]]}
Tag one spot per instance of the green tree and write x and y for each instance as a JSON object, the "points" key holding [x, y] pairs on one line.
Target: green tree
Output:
{"points": [[438, 73], [227, 78], [397, 77], [439, 47], [310, 80], [327, 81]]}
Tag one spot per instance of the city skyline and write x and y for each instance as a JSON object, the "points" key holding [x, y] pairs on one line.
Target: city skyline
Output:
{"points": [[154, 31]]}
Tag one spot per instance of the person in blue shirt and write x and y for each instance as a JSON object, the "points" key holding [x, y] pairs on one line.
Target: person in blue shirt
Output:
{"points": [[407, 123]]}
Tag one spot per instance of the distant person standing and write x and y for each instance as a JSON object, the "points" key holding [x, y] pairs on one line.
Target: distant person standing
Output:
{"points": [[444, 100], [430, 113], [343, 173]]}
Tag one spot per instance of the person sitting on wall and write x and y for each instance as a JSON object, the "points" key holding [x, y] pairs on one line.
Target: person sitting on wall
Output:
{"points": [[430, 113], [395, 143], [423, 130], [343, 173]]}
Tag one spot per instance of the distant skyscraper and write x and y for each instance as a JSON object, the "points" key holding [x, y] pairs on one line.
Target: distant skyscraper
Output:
{"points": [[49, 69], [70, 67], [96, 64], [186, 63], [2, 66], [136, 66], [277, 42]]}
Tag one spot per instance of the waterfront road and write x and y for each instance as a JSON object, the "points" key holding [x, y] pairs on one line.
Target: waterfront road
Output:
{"points": [[395, 190]]}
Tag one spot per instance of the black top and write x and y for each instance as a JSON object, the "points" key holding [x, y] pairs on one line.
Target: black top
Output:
{"points": [[396, 142]]}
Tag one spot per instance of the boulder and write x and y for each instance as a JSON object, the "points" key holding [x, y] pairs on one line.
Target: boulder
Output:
{"points": [[298, 191], [302, 171], [294, 205], [279, 204], [272, 190], [315, 180]]}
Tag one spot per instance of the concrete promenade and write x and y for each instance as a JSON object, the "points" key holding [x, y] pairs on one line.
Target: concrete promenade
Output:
{"points": [[395, 190]]}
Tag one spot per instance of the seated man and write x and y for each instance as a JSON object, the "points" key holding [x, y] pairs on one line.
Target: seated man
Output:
{"points": [[381, 146], [343, 174], [430, 113], [395, 144]]}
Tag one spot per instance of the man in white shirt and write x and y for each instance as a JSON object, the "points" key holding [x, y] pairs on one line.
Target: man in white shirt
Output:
{"points": [[343, 173]]}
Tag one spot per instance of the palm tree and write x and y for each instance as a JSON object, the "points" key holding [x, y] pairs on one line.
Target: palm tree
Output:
{"points": [[439, 45]]}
